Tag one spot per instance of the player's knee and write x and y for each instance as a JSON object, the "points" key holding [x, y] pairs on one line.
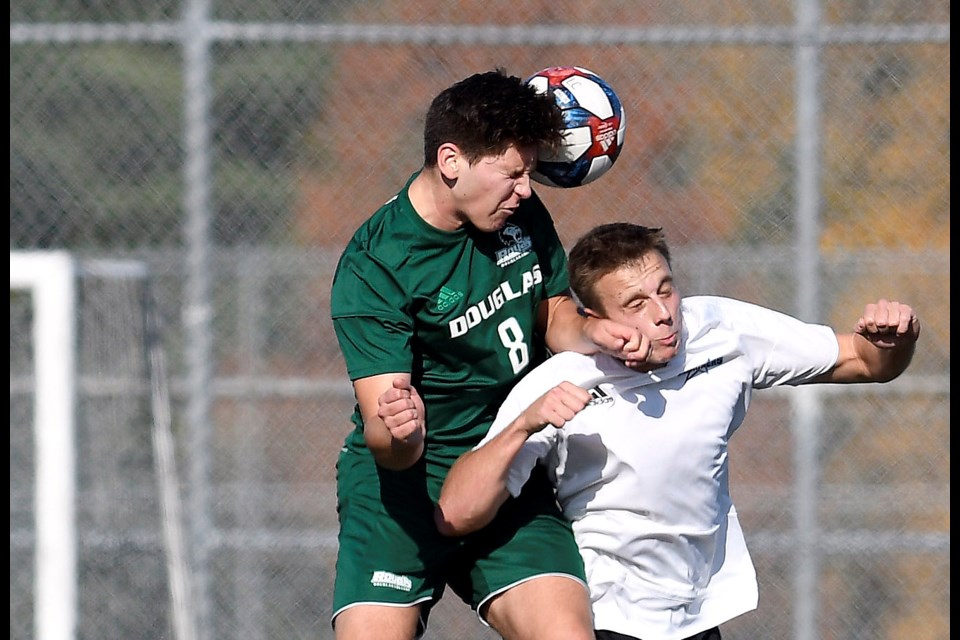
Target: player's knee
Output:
{"points": [[554, 608], [365, 622], [558, 625]]}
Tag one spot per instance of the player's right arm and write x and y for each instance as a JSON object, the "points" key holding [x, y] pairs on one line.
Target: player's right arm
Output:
{"points": [[476, 485], [394, 419], [881, 346], [566, 329]]}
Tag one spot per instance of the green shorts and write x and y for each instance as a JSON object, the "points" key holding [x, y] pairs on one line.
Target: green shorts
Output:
{"points": [[391, 552]]}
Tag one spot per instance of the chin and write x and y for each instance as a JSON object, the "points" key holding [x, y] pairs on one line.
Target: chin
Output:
{"points": [[661, 358]]}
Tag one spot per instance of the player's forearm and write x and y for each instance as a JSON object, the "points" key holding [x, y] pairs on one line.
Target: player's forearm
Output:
{"points": [[881, 346], [389, 452], [476, 485], [883, 365], [565, 327], [862, 361]]}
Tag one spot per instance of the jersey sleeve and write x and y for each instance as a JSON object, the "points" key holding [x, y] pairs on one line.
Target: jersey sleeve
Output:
{"points": [[784, 349], [369, 311]]}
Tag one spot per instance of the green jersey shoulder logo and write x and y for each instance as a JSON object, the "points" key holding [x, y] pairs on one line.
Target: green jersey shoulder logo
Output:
{"points": [[448, 298]]}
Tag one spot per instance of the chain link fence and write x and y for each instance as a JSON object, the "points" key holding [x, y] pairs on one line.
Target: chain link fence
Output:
{"points": [[797, 155]]}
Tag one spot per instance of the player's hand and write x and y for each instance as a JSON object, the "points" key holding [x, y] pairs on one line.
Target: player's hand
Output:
{"points": [[620, 341], [556, 407], [402, 412], [888, 324]]}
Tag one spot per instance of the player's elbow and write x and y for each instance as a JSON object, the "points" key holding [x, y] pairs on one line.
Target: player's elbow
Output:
{"points": [[454, 522], [445, 525]]}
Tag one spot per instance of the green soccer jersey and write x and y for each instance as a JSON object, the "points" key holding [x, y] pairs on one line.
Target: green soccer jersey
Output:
{"points": [[456, 309]]}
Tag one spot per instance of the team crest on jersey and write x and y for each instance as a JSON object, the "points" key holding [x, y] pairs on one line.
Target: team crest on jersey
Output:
{"points": [[598, 396], [515, 245]]}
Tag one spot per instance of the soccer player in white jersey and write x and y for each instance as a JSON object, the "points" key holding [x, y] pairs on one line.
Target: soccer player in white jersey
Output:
{"points": [[638, 456]]}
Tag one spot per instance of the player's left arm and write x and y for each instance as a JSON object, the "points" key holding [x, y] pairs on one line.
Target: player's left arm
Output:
{"points": [[880, 347]]}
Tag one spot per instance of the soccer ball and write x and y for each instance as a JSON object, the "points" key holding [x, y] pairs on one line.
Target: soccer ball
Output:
{"points": [[595, 124]]}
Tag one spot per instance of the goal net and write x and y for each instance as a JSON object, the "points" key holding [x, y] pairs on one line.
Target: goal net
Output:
{"points": [[96, 537]]}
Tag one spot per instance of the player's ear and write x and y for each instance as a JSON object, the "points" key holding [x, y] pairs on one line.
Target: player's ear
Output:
{"points": [[590, 313], [449, 160]]}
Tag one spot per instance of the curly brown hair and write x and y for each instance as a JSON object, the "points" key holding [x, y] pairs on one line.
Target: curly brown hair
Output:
{"points": [[487, 113]]}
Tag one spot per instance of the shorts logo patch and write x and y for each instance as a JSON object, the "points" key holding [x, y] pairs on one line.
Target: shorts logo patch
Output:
{"points": [[391, 580]]}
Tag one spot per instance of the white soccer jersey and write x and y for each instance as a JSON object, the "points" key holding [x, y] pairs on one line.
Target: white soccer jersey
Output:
{"points": [[642, 470]]}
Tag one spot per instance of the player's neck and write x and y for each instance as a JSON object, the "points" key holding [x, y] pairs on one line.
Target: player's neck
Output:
{"points": [[431, 200]]}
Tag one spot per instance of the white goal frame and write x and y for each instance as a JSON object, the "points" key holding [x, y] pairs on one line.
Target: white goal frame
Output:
{"points": [[50, 278]]}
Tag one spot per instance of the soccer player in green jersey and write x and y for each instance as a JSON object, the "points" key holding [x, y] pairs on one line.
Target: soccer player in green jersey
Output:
{"points": [[441, 301]]}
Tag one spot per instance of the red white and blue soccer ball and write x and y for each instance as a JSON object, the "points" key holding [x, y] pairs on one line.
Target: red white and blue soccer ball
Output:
{"points": [[595, 124]]}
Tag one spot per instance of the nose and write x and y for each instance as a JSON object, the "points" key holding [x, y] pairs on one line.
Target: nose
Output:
{"points": [[523, 188], [662, 312]]}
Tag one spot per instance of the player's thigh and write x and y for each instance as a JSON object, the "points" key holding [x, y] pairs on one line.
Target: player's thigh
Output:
{"points": [[528, 579], [544, 608], [376, 622], [529, 538], [391, 560]]}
